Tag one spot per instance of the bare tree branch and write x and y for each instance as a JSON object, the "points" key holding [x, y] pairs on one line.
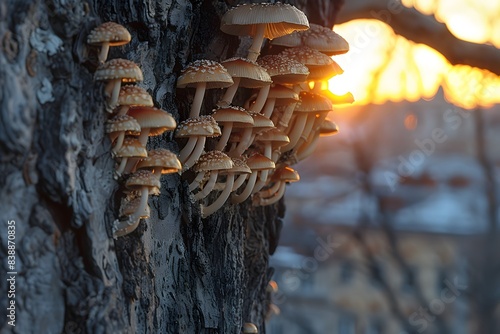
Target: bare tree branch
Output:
{"points": [[420, 28]]}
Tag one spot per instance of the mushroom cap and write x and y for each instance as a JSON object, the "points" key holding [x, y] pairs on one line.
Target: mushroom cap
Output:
{"points": [[134, 96], [283, 95], [213, 160], [325, 40], [280, 19], [259, 161], [131, 148], [277, 137], [250, 73], [163, 158], [236, 115], [260, 122], [316, 37], [328, 128], [311, 102], [284, 70], [109, 32], [123, 123], [157, 120], [249, 328], [240, 167], [321, 66], [209, 71], [142, 178], [285, 174], [123, 69], [129, 207], [204, 125]]}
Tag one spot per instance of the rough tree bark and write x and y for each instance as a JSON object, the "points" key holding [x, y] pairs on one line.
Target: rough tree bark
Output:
{"points": [[175, 273]]}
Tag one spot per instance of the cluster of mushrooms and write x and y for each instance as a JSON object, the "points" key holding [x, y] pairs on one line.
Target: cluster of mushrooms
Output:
{"points": [[279, 125], [255, 144], [132, 119]]}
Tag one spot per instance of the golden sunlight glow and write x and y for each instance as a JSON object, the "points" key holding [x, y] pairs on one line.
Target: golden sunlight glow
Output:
{"points": [[382, 66]]}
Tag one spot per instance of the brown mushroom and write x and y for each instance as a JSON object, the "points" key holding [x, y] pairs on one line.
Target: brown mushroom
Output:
{"points": [[119, 126], [229, 118], [281, 177], [160, 161], [130, 149], [106, 35], [133, 96], [257, 163]]}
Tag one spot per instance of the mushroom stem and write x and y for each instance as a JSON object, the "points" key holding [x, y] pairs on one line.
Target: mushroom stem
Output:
{"points": [[276, 197], [103, 55], [261, 99], [209, 186], [123, 110], [308, 148], [112, 90], [244, 143], [219, 202], [269, 107], [295, 132], [188, 149], [254, 50], [235, 198], [287, 115], [121, 168], [261, 182], [308, 132], [198, 99], [196, 182], [121, 228], [142, 205], [226, 132], [227, 99], [195, 155], [271, 190], [143, 137], [239, 181], [119, 142]]}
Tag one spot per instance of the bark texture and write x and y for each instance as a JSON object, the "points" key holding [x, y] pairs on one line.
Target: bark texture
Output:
{"points": [[175, 273]]}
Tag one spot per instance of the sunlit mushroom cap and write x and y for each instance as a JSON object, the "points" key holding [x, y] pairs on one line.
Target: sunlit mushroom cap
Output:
{"points": [[277, 137], [328, 128], [211, 72], [250, 73], [163, 158], [280, 19], [321, 66], [258, 162], [110, 32], [134, 96], [131, 148], [325, 40], [284, 70], [157, 120], [285, 174], [123, 69], [123, 123], [129, 207], [236, 115], [204, 125], [311, 102], [291, 40], [338, 99], [249, 328], [260, 122], [142, 178], [213, 160], [283, 95]]}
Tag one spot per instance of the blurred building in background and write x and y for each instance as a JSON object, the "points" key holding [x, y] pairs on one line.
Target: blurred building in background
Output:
{"points": [[391, 228]]}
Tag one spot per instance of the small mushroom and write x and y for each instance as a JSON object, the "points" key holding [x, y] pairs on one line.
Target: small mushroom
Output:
{"points": [[247, 135], [153, 121], [281, 177], [261, 21], [326, 128], [196, 130], [131, 148], [203, 74], [128, 208], [115, 72], [160, 161], [257, 163], [119, 126], [241, 170], [133, 96], [106, 35], [230, 117], [209, 164], [249, 328], [145, 183]]}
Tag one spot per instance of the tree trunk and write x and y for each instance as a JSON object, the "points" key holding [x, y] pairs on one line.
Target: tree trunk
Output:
{"points": [[176, 273]]}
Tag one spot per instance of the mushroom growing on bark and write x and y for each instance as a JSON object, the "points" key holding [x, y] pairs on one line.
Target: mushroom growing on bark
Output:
{"points": [[249, 328], [131, 149], [133, 96], [326, 128], [128, 208], [115, 72], [160, 161], [106, 35], [119, 126], [264, 20], [280, 178], [247, 135], [229, 118], [203, 74], [153, 121], [145, 183], [196, 130], [257, 163]]}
